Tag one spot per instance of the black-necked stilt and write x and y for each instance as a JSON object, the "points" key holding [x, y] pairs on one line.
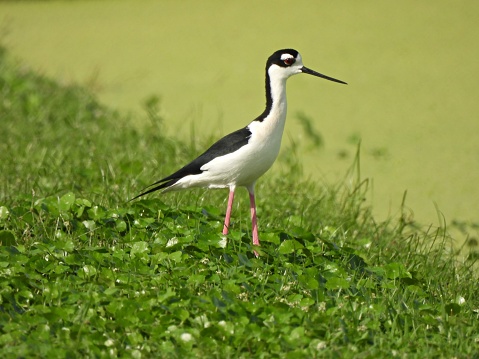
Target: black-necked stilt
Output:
{"points": [[243, 156]]}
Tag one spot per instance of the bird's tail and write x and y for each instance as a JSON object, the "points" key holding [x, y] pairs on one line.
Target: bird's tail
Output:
{"points": [[161, 184]]}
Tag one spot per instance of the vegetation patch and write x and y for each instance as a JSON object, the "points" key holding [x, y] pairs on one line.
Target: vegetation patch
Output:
{"points": [[84, 273]]}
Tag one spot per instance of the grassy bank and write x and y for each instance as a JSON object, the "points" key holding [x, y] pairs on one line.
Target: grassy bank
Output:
{"points": [[85, 274]]}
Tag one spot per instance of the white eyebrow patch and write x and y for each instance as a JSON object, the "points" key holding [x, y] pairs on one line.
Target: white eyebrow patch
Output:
{"points": [[286, 56]]}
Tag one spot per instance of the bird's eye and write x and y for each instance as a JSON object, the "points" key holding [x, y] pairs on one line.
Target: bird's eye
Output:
{"points": [[289, 61]]}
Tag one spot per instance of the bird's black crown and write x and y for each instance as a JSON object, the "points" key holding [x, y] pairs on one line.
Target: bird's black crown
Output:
{"points": [[278, 58]]}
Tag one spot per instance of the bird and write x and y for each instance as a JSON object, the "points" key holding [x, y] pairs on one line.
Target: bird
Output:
{"points": [[241, 157]]}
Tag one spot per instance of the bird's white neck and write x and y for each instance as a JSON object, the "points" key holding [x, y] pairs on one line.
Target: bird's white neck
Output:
{"points": [[274, 116]]}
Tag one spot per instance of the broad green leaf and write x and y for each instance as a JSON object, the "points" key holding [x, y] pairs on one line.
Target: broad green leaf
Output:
{"points": [[289, 246], [308, 282], [213, 240], [111, 291], [90, 225], [121, 226], [270, 237], [169, 293], [211, 211], [396, 270], [337, 283], [88, 270], [244, 260], [300, 232], [306, 302], [143, 222], [297, 333], [196, 279], [175, 256], [452, 309], [83, 202], [139, 248], [59, 269], [66, 201], [4, 212], [66, 245], [96, 213], [7, 238], [182, 314]]}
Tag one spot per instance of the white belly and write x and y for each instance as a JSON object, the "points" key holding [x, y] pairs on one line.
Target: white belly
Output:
{"points": [[240, 168], [243, 167]]}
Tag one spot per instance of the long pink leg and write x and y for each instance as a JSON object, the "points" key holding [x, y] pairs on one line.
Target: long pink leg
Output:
{"points": [[228, 211], [254, 220]]}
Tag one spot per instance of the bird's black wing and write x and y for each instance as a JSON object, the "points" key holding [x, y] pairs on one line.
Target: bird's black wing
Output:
{"points": [[228, 144]]}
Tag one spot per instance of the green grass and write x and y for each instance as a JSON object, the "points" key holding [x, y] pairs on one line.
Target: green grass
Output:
{"points": [[83, 273]]}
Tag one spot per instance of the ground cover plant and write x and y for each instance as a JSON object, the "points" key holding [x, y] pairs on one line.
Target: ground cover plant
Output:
{"points": [[84, 273]]}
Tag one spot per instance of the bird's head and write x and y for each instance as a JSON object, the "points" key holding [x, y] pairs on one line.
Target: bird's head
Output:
{"points": [[288, 62]]}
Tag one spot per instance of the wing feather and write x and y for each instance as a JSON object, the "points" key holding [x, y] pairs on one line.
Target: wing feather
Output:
{"points": [[228, 144]]}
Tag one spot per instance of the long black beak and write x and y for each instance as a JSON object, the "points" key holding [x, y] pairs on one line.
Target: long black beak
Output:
{"points": [[314, 73]]}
